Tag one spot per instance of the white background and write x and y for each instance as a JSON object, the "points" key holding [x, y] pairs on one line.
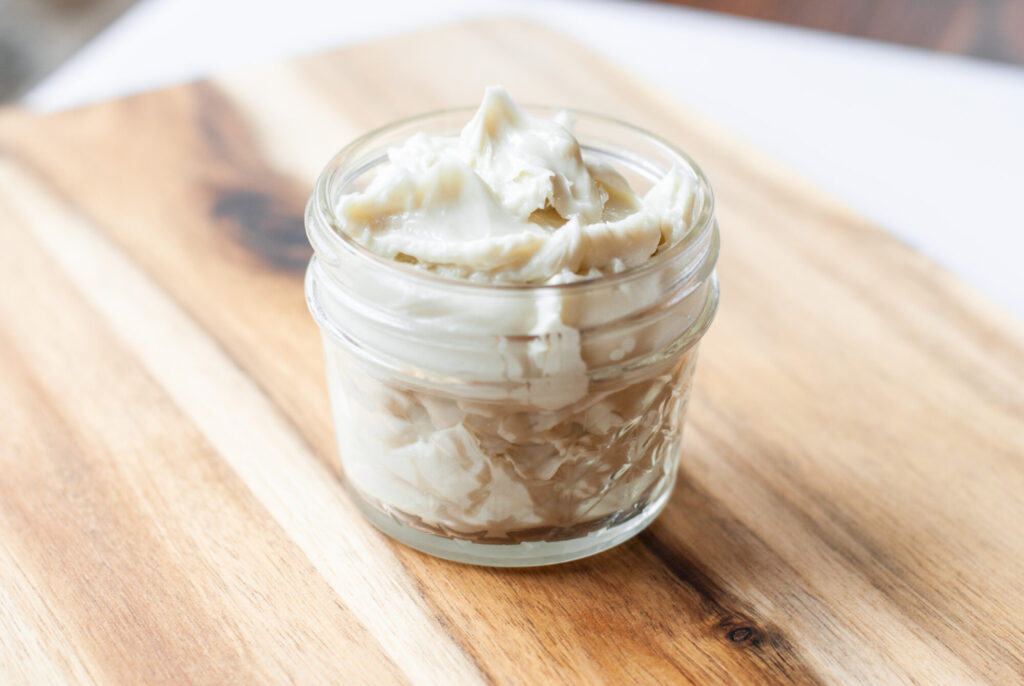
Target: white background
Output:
{"points": [[928, 146]]}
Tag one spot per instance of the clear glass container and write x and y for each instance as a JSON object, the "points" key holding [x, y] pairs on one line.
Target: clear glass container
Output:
{"points": [[510, 425]]}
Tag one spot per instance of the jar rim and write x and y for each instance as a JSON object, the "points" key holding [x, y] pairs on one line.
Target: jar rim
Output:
{"points": [[320, 204]]}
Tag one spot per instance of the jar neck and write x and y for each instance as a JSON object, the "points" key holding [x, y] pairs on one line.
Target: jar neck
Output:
{"points": [[404, 317]]}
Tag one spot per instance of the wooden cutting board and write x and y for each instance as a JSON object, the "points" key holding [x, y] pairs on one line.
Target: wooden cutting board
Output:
{"points": [[851, 507]]}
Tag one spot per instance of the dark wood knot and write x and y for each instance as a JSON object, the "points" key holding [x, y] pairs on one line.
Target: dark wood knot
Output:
{"points": [[743, 634], [267, 224]]}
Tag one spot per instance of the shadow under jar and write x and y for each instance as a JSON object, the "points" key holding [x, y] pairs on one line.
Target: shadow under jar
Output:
{"points": [[465, 433]]}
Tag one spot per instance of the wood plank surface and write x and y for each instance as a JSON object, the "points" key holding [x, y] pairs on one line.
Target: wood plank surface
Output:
{"points": [[849, 508]]}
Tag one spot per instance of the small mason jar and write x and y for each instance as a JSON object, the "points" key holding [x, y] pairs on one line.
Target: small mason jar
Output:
{"points": [[510, 425]]}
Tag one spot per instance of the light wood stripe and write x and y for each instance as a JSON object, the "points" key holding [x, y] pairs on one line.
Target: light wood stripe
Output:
{"points": [[33, 648], [274, 100]]}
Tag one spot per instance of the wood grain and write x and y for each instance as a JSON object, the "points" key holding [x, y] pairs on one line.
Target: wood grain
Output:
{"points": [[170, 511]]}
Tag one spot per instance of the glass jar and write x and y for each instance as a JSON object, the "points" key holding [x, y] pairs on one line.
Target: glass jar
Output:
{"points": [[510, 425]]}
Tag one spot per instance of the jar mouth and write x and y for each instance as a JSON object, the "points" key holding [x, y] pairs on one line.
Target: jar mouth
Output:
{"points": [[328, 236]]}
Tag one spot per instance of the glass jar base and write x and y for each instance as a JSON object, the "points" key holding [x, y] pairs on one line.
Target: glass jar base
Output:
{"points": [[524, 554]]}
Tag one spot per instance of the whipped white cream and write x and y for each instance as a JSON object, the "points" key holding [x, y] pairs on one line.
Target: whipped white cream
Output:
{"points": [[511, 200]]}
